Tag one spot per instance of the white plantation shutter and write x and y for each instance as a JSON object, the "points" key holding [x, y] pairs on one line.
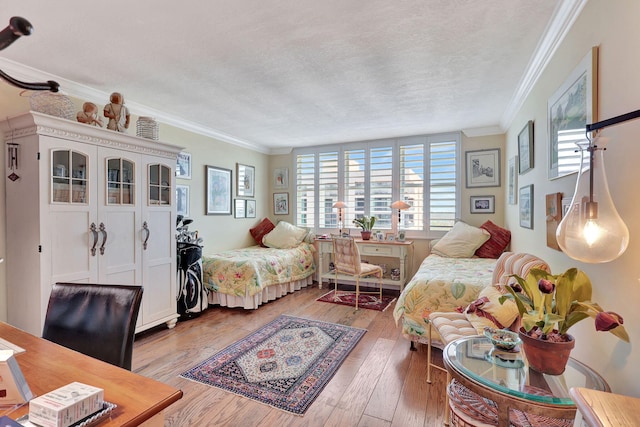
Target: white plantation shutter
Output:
{"points": [[368, 176]]}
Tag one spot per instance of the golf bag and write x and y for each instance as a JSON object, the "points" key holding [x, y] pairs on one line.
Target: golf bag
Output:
{"points": [[192, 295]]}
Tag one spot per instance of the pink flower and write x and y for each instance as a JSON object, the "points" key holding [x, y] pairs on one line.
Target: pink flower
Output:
{"points": [[546, 286], [607, 320]]}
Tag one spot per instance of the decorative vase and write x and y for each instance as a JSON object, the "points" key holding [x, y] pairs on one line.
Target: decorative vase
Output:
{"points": [[366, 235], [546, 357]]}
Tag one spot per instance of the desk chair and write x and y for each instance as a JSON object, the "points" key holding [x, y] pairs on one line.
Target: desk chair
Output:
{"points": [[346, 258], [96, 320]]}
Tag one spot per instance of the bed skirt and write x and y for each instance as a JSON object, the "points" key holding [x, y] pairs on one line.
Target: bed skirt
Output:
{"points": [[269, 293]]}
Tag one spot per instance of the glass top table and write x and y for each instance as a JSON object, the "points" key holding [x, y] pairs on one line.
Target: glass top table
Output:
{"points": [[505, 377]]}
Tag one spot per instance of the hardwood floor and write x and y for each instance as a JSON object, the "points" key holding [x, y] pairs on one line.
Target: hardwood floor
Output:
{"points": [[381, 383]]}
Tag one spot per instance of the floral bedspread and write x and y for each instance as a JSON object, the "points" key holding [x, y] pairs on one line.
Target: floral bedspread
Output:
{"points": [[440, 284], [247, 271]]}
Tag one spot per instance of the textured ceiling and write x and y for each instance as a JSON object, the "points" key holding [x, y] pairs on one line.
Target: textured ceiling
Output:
{"points": [[275, 73]]}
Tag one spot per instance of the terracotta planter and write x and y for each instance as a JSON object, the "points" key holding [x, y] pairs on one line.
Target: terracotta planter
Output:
{"points": [[546, 357], [366, 235]]}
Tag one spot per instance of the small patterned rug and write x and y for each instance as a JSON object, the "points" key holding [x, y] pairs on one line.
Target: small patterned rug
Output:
{"points": [[284, 364], [372, 302]]}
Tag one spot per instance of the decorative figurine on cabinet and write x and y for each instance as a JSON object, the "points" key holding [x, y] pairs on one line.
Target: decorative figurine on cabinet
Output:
{"points": [[117, 113], [89, 114]]}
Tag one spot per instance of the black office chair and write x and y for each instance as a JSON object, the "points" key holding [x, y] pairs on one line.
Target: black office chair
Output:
{"points": [[96, 320]]}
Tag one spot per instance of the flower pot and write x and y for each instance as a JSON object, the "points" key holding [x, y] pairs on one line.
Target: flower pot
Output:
{"points": [[366, 235], [546, 357]]}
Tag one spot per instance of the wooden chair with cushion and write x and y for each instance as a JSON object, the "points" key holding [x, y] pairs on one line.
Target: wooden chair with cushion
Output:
{"points": [[346, 259], [453, 325], [96, 320]]}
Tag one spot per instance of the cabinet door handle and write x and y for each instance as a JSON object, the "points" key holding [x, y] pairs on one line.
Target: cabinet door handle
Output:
{"points": [[103, 230], [94, 233], [145, 227]]}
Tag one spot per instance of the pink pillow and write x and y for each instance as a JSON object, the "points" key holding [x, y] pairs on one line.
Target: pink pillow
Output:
{"points": [[497, 243], [260, 230]]}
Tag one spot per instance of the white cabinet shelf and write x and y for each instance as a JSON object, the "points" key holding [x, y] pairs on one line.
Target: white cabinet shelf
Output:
{"points": [[92, 206]]}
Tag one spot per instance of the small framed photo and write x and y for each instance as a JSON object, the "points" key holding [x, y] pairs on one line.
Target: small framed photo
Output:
{"points": [[240, 211], [483, 204], [526, 206], [281, 178], [402, 235], [218, 191], [182, 200], [525, 148], [251, 209], [245, 180], [281, 203], [183, 167], [389, 237], [483, 168], [512, 185]]}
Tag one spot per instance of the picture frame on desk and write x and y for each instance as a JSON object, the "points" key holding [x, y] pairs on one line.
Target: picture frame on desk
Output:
{"points": [[402, 235], [389, 237]]}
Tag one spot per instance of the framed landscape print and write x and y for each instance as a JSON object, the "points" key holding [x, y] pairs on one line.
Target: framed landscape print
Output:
{"points": [[281, 203], [182, 200], [570, 109], [483, 204], [483, 168], [218, 191], [245, 179], [526, 206], [525, 148]]}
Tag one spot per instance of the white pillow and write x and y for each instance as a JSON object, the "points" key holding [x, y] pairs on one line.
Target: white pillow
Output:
{"points": [[461, 241], [284, 236]]}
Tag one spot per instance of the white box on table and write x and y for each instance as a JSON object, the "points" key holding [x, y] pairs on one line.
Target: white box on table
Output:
{"points": [[66, 405]]}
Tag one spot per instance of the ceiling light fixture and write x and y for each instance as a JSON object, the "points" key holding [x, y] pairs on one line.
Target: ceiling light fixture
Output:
{"points": [[21, 27], [592, 231]]}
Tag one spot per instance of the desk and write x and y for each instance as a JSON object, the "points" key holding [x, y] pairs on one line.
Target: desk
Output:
{"points": [[47, 366], [506, 379], [369, 249], [600, 409]]}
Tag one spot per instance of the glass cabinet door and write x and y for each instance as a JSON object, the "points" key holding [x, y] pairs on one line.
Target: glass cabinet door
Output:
{"points": [[120, 181], [159, 185], [69, 180]]}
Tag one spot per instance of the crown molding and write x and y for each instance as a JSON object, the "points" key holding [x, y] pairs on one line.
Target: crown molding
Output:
{"points": [[565, 14]]}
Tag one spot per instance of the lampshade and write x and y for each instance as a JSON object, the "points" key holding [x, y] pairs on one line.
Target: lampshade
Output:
{"points": [[339, 205], [400, 205], [591, 230]]}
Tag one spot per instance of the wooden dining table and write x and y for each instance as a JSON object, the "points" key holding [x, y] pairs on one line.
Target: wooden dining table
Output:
{"points": [[47, 366]]}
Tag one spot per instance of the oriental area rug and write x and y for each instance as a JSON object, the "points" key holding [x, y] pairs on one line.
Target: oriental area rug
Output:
{"points": [[284, 364], [372, 302]]}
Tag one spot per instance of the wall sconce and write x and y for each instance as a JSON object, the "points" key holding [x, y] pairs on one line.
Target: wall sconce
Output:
{"points": [[339, 205], [400, 205], [592, 230], [21, 27]]}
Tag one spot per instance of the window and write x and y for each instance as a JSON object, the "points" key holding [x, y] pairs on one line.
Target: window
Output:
{"points": [[369, 175]]}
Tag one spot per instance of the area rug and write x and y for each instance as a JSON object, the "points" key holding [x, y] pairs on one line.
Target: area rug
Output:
{"points": [[372, 302], [284, 364]]}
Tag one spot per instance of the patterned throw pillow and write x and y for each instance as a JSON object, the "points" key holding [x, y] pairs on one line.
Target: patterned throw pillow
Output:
{"points": [[260, 230], [497, 243], [487, 310]]}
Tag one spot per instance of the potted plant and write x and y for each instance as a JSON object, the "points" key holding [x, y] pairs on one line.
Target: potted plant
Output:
{"points": [[549, 305], [366, 224]]}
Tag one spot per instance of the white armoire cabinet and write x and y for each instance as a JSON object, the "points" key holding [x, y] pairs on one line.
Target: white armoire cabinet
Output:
{"points": [[86, 204]]}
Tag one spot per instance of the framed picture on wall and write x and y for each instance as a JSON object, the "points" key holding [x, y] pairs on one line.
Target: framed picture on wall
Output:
{"points": [[182, 200], [245, 180], [281, 203], [218, 191], [240, 208], [526, 206], [525, 148], [183, 167], [483, 204], [572, 106], [281, 178], [251, 209], [512, 177], [483, 168]]}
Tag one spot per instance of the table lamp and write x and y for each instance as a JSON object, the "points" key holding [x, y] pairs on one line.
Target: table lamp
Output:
{"points": [[400, 205], [339, 205]]}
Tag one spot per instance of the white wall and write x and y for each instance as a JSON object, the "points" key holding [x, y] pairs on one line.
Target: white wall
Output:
{"points": [[613, 25]]}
